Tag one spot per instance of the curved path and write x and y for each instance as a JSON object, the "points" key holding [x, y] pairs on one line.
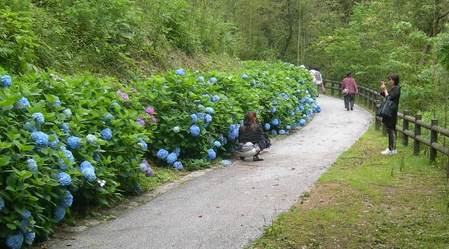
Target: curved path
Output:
{"points": [[228, 207]]}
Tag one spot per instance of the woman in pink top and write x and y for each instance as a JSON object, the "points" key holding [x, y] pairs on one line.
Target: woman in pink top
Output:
{"points": [[349, 89]]}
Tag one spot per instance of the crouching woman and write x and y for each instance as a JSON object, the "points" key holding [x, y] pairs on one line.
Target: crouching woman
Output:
{"points": [[252, 139]]}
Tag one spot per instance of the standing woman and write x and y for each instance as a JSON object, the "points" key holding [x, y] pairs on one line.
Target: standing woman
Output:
{"points": [[349, 89], [390, 123]]}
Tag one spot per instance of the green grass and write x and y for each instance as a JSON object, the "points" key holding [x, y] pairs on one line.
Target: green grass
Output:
{"points": [[367, 200], [161, 176]]}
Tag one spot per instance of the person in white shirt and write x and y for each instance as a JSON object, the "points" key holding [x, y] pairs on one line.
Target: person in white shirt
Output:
{"points": [[317, 79]]}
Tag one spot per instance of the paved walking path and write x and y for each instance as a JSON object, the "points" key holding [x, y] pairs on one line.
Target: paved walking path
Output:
{"points": [[229, 207]]}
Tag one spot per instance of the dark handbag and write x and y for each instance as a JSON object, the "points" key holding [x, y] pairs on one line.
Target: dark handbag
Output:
{"points": [[387, 109]]}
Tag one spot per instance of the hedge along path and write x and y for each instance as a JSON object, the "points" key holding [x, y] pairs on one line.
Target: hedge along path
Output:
{"points": [[229, 207]]}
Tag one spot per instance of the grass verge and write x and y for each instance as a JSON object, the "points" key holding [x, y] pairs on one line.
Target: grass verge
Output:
{"points": [[367, 200]]}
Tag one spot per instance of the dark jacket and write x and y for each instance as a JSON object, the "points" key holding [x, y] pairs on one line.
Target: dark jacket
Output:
{"points": [[253, 134], [394, 94]]}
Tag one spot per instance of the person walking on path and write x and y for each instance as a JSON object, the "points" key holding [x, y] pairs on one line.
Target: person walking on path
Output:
{"points": [[390, 123], [349, 89], [317, 80]]}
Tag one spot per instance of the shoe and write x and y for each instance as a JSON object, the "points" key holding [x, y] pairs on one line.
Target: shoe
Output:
{"points": [[394, 152], [352, 109], [386, 152], [256, 159]]}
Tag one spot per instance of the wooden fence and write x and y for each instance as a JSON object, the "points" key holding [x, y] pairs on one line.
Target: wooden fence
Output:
{"points": [[411, 127]]}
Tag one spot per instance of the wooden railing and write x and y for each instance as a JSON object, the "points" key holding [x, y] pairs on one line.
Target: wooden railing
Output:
{"points": [[436, 135]]}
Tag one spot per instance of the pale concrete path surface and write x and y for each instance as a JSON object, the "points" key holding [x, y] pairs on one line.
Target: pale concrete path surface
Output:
{"points": [[229, 207]]}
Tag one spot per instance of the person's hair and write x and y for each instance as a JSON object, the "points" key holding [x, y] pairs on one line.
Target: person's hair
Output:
{"points": [[349, 74], [250, 119], [394, 78]]}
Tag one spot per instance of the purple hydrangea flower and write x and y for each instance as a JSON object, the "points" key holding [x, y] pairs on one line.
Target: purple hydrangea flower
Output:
{"points": [[140, 121], [143, 166]]}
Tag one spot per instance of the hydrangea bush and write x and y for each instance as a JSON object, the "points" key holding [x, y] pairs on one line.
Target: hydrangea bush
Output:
{"points": [[68, 143]]}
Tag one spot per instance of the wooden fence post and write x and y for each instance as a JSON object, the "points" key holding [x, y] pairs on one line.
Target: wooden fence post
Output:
{"points": [[332, 88], [433, 139], [417, 133], [405, 127]]}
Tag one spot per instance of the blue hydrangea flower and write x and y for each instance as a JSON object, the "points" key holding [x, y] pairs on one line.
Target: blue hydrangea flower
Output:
{"points": [[282, 132], [195, 130], [26, 214], [275, 122], [29, 127], [288, 127], [32, 165], [217, 144], [171, 158], [59, 214], [74, 142], [2, 203], [200, 79], [108, 116], [213, 80], [177, 151], [200, 115], [40, 138], [226, 163], [5, 81], [14, 241], [38, 117], [194, 118], [91, 138], [317, 109], [181, 72], [143, 145], [68, 154], [25, 225], [64, 179], [67, 112], [65, 127], [303, 101], [178, 165], [143, 166], [106, 134], [67, 199], [273, 109], [302, 122], [211, 154], [245, 76], [162, 154], [86, 165], [54, 142], [88, 171], [274, 132], [215, 98], [267, 126], [210, 110], [57, 102], [23, 103], [29, 237], [233, 132], [208, 118], [176, 129], [115, 106]]}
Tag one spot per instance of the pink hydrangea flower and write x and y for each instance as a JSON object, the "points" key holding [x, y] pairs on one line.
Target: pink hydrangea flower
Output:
{"points": [[140, 121], [123, 95], [150, 110]]}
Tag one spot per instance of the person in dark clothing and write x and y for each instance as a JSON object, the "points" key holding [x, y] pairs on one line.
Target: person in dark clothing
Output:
{"points": [[390, 123], [251, 132]]}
